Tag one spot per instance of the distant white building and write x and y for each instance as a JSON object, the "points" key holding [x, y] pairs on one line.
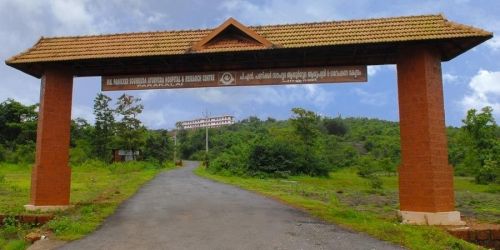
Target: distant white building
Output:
{"points": [[211, 122]]}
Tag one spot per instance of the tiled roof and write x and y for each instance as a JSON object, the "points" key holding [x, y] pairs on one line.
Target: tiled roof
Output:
{"points": [[380, 30]]}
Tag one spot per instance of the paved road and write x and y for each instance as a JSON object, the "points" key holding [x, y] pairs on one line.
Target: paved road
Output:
{"points": [[178, 210]]}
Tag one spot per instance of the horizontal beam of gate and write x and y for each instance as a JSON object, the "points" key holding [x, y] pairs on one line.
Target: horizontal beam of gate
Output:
{"points": [[304, 75]]}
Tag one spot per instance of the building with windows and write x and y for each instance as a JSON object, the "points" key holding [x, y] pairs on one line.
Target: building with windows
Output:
{"points": [[211, 122]]}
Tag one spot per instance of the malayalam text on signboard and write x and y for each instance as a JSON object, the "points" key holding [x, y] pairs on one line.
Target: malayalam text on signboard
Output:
{"points": [[237, 78]]}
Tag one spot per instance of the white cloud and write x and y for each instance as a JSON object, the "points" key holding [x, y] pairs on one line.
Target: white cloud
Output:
{"points": [[371, 98], [449, 78], [165, 117], [375, 69], [154, 118], [72, 15], [276, 96], [494, 43], [485, 91], [155, 18], [280, 11], [147, 95], [85, 112]]}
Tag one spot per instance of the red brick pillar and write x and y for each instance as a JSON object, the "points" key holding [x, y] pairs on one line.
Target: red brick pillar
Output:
{"points": [[425, 177], [51, 176]]}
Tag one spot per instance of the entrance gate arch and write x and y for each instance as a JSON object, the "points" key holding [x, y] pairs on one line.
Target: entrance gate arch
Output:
{"points": [[235, 55]]}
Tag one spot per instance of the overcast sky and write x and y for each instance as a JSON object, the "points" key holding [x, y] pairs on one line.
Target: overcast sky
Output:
{"points": [[471, 80]]}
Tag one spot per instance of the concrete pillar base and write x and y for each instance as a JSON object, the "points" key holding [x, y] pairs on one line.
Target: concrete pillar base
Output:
{"points": [[46, 208], [451, 218]]}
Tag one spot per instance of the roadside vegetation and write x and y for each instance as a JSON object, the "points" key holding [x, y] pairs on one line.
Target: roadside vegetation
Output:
{"points": [[349, 174], [343, 170], [96, 191], [98, 186], [307, 144]]}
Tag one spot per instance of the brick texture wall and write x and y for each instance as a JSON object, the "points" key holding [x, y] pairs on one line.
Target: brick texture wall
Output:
{"points": [[425, 177], [51, 176]]}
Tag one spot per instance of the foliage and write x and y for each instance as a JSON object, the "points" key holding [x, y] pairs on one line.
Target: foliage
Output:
{"points": [[104, 127], [480, 141], [230, 163], [334, 126], [130, 131], [262, 148], [191, 142], [375, 182], [306, 125], [16, 245], [275, 157], [367, 166], [81, 152], [158, 146], [17, 123], [303, 144], [23, 154], [488, 173]]}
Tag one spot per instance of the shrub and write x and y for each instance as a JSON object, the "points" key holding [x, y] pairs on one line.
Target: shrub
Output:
{"points": [[367, 166], [283, 157], [80, 153], [335, 126], [229, 163], [375, 182], [23, 154], [489, 173], [270, 156], [10, 221], [198, 156], [77, 156], [339, 154]]}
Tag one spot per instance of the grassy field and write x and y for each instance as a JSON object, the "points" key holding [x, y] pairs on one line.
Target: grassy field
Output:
{"points": [[96, 191], [346, 199]]}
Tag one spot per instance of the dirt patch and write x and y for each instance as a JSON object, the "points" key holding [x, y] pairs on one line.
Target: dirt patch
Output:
{"points": [[46, 244]]}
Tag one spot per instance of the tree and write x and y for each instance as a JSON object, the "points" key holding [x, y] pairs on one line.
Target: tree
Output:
{"points": [[81, 130], [191, 144], [306, 126], [158, 146], [130, 130], [335, 126], [17, 123], [481, 144], [104, 127]]}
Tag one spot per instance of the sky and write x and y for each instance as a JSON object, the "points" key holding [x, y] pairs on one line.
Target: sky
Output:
{"points": [[472, 80]]}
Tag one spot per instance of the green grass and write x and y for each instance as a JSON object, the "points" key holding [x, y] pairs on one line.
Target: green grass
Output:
{"points": [[346, 199], [481, 202], [96, 191]]}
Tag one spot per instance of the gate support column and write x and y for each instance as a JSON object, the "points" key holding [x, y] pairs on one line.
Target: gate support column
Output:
{"points": [[51, 175], [425, 177]]}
